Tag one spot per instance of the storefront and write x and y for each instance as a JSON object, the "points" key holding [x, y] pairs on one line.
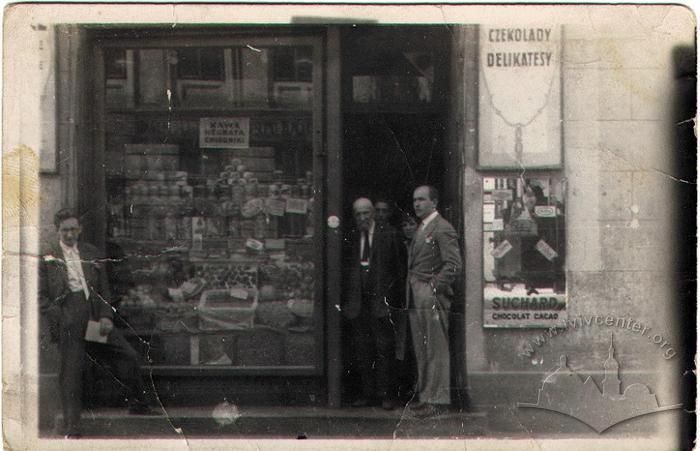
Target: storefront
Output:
{"points": [[216, 166]]}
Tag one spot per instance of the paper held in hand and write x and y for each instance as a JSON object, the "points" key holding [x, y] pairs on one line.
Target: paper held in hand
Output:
{"points": [[93, 333]]}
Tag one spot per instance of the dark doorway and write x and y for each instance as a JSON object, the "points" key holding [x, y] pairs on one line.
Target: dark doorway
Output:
{"points": [[386, 155], [395, 83]]}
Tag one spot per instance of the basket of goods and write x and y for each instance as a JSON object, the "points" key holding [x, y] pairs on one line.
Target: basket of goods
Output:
{"points": [[228, 309]]}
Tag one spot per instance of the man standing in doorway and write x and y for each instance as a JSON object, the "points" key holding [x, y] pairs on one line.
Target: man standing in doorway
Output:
{"points": [[382, 211], [74, 295], [373, 299], [434, 262]]}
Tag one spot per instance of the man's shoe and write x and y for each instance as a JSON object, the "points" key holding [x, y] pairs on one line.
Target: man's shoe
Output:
{"points": [[432, 410], [141, 409], [72, 436], [417, 406], [388, 404], [360, 402]]}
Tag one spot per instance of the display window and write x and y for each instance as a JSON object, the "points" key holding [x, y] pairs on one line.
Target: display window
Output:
{"points": [[214, 200], [524, 251]]}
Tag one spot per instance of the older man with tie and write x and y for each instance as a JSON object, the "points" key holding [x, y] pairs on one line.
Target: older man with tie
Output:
{"points": [[74, 294], [434, 261], [372, 304]]}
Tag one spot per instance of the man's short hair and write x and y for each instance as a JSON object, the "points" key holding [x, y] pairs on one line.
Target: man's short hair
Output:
{"points": [[433, 193], [360, 201], [63, 214], [382, 199]]}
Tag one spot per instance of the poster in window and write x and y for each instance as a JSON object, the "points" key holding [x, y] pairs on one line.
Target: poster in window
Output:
{"points": [[524, 253], [520, 97], [224, 132]]}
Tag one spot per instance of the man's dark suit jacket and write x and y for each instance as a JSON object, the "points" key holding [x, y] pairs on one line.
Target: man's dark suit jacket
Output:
{"points": [[53, 283], [387, 273]]}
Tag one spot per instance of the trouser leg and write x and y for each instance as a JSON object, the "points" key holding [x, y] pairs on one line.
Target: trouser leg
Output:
{"points": [[125, 361], [419, 348], [385, 356], [429, 328], [436, 389], [74, 317], [364, 354]]}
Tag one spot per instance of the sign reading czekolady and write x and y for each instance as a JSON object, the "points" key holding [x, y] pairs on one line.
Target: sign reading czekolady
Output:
{"points": [[520, 96]]}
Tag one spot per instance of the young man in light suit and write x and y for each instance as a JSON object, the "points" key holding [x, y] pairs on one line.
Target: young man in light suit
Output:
{"points": [[434, 261], [73, 290]]}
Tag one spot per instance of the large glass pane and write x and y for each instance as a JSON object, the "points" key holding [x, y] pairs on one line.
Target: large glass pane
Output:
{"points": [[211, 215]]}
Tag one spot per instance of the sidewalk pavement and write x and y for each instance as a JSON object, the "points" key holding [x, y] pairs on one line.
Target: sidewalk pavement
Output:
{"points": [[228, 421]]}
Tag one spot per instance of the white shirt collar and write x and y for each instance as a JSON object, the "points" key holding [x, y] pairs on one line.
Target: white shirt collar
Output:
{"points": [[427, 220], [69, 249]]}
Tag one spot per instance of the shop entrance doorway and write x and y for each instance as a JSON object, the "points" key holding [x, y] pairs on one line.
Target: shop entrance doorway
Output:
{"points": [[396, 116]]}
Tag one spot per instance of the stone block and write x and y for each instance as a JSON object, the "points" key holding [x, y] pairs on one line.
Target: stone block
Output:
{"points": [[614, 94], [645, 145], [615, 196], [580, 54], [580, 88], [580, 135], [583, 246], [647, 247], [652, 195], [652, 93]]}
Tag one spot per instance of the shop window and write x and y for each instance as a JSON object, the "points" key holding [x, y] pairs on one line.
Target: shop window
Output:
{"points": [[115, 63], [213, 215], [119, 77], [200, 64], [393, 69], [524, 251]]}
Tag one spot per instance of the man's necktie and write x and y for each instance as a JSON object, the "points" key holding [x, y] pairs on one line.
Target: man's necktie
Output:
{"points": [[364, 258]]}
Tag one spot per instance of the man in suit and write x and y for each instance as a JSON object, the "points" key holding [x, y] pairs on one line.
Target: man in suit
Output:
{"points": [[373, 303], [434, 261], [73, 290]]}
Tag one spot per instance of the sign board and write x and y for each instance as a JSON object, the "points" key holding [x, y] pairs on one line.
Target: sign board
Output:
{"points": [[519, 97], [224, 132], [518, 309]]}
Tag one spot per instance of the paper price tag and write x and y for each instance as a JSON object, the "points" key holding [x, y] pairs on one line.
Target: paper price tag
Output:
{"points": [[297, 206], [489, 212], [502, 249], [546, 250], [546, 211], [502, 194]]}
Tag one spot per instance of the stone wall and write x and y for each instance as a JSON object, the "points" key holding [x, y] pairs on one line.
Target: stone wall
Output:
{"points": [[618, 94]]}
